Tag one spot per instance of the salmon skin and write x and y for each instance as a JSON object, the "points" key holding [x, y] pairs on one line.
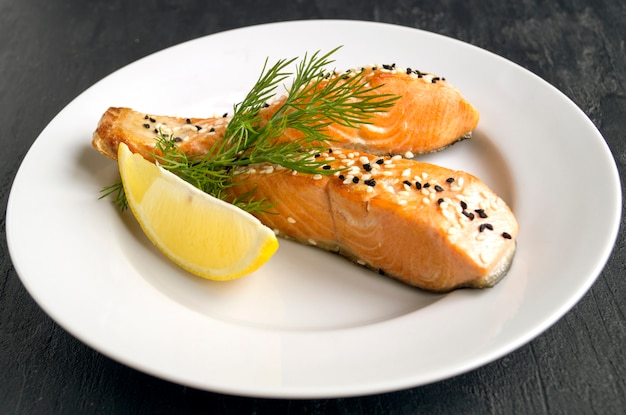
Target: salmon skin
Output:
{"points": [[425, 225], [430, 115]]}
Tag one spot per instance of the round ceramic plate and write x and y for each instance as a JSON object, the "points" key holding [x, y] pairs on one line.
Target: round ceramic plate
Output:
{"points": [[309, 323]]}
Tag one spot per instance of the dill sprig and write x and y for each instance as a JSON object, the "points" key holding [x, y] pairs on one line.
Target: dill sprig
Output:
{"points": [[315, 99]]}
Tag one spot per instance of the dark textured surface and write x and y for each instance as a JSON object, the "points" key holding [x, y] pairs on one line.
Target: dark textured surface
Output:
{"points": [[51, 51]]}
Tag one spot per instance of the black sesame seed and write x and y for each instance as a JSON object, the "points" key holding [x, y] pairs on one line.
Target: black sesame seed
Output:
{"points": [[145, 117], [146, 125], [440, 200], [317, 155], [408, 71], [450, 180], [463, 205], [426, 185], [435, 79], [469, 215], [330, 151], [370, 182], [152, 119], [388, 67], [381, 272], [438, 188], [342, 177], [408, 183], [380, 161], [418, 185], [212, 130], [188, 121], [178, 139], [484, 226], [326, 167], [156, 131], [506, 235], [198, 128], [367, 167], [481, 213], [355, 180], [225, 115]]}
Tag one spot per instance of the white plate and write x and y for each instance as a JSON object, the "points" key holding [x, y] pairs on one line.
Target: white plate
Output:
{"points": [[310, 324]]}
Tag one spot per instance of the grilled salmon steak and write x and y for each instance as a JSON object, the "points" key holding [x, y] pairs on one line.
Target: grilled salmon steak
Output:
{"points": [[425, 225], [429, 115]]}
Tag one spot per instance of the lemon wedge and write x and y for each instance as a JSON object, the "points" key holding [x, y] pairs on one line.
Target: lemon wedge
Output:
{"points": [[200, 233]]}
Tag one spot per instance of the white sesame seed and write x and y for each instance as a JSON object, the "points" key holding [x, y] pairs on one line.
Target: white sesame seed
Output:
{"points": [[364, 160], [425, 200], [312, 242], [460, 181], [389, 166], [396, 157], [360, 262], [402, 202], [406, 173], [317, 176], [294, 172], [291, 220], [409, 155]]}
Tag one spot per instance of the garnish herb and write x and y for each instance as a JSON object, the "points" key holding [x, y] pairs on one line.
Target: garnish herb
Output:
{"points": [[315, 99]]}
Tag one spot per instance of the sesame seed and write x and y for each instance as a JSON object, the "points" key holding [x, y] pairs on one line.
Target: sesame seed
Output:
{"points": [[469, 215], [438, 188], [188, 121], [450, 180], [355, 180], [291, 220], [406, 182], [426, 185], [146, 125], [425, 200], [326, 167], [409, 155], [367, 167], [370, 182], [406, 172], [484, 226], [506, 235], [463, 205], [440, 201], [481, 213], [380, 161], [312, 242], [317, 176]]}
